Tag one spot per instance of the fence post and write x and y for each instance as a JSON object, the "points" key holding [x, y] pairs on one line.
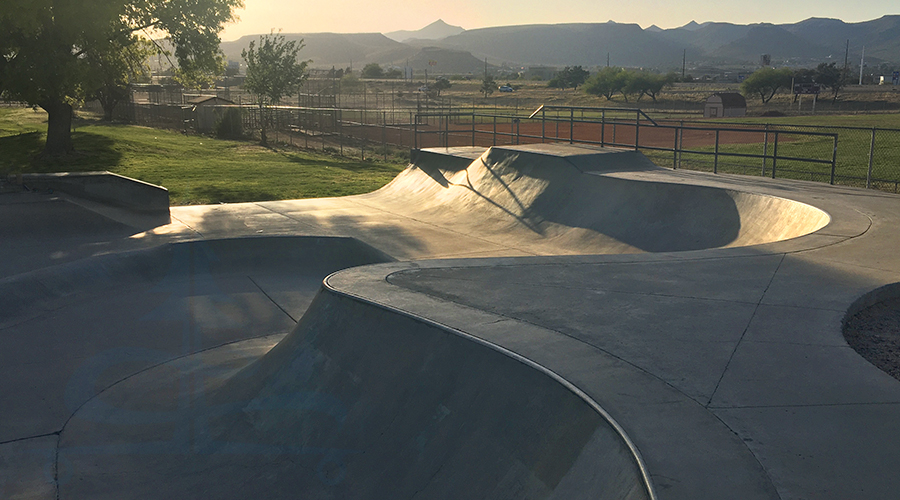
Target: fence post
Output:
{"points": [[871, 160], [473, 127], [774, 154], [637, 131], [716, 156], [543, 125], [571, 125], [495, 130], [602, 128], [765, 150], [675, 150], [415, 132], [517, 130], [834, 158], [384, 134]]}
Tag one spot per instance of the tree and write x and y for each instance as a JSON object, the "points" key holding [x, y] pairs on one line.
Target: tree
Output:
{"points": [[487, 85], [440, 84], [273, 71], [766, 82], [117, 69], [832, 77], [570, 76], [643, 83], [50, 48], [607, 82], [372, 70]]}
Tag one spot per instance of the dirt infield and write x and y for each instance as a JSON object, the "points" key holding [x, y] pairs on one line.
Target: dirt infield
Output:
{"points": [[511, 132]]}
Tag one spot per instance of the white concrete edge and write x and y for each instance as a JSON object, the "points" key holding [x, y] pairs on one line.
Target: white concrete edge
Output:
{"points": [[636, 454]]}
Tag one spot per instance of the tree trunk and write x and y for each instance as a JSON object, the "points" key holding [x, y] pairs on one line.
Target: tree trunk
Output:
{"points": [[59, 128], [262, 120], [109, 105]]}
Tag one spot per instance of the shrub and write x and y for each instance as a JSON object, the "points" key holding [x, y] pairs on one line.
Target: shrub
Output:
{"points": [[230, 125]]}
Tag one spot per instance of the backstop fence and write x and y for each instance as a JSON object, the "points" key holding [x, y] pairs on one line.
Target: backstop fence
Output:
{"points": [[853, 156]]}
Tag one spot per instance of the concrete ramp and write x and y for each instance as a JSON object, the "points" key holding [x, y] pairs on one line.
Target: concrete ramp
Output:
{"points": [[561, 199], [359, 401]]}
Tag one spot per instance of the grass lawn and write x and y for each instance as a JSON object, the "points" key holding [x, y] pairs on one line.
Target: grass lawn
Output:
{"points": [[195, 169], [851, 165], [880, 120]]}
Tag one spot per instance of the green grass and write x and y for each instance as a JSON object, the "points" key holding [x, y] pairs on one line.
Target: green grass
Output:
{"points": [[883, 120], [851, 165], [195, 169]]}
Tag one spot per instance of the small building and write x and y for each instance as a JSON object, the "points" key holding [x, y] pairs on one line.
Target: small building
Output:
{"points": [[725, 104], [206, 111]]}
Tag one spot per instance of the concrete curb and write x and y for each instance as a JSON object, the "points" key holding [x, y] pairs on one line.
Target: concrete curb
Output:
{"points": [[104, 187]]}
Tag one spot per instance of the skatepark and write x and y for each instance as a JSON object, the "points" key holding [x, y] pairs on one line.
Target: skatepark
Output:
{"points": [[543, 321]]}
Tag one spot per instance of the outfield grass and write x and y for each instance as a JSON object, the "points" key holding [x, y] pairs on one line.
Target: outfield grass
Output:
{"points": [[195, 169], [881, 120], [851, 162]]}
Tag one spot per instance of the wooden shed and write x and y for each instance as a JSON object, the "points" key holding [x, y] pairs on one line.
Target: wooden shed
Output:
{"points": [[725, 104], [207, 110]]}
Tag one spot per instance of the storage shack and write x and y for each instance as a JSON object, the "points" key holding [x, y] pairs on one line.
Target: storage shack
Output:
{"points": [[725, 104]]}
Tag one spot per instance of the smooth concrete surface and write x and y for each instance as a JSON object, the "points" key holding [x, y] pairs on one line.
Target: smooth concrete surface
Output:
{"points": [[585, 325], [104, 187], [358, 402]]}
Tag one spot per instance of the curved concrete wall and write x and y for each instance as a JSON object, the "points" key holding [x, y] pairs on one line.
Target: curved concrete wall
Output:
{"points": [[377, 404], [358, 401], [567, 205]]}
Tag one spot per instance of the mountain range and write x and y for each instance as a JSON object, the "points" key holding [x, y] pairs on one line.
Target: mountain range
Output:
{"points": [[451, 49]]}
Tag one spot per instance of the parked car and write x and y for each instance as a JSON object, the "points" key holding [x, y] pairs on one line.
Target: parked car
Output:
{"points": [[505, 88], [424, 88]]}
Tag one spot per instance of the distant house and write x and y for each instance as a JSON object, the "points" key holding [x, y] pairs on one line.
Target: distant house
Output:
{"points": [[725, 104]]}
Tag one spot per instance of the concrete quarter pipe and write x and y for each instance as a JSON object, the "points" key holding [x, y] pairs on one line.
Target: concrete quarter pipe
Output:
{"points": [[617, 361]]}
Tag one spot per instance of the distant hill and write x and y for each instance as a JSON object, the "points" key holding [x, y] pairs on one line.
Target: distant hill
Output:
{"points": [[769, 39], [434, 31], [807, 42], [341, 50], [335, 49], [566, 45], [455, 50], [438, 60]]}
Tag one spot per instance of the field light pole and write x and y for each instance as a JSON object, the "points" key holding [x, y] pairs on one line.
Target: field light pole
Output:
{"points": [[862, 62]]}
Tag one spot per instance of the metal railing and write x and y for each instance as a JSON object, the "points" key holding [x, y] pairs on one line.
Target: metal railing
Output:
{"points": [[863, 157], [609, 127]]}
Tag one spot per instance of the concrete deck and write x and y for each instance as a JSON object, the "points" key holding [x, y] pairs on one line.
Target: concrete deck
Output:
{"points": [[697, 316]]}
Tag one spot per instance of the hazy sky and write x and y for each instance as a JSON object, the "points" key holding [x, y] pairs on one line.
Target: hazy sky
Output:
{"points": [[359, 16]]}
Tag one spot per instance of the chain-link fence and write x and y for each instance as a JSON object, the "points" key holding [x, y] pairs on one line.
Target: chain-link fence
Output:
{"points": [[861, 157], [865, 157]]}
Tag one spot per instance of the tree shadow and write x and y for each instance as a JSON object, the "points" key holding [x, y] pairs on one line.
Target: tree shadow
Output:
{"points": [[344, 163], [22, 153], [19, 150]]}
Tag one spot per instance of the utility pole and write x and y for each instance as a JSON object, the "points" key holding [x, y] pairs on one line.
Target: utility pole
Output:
{"points": [[607, 59], [847, 56], [862, 62], [683, 63]]}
